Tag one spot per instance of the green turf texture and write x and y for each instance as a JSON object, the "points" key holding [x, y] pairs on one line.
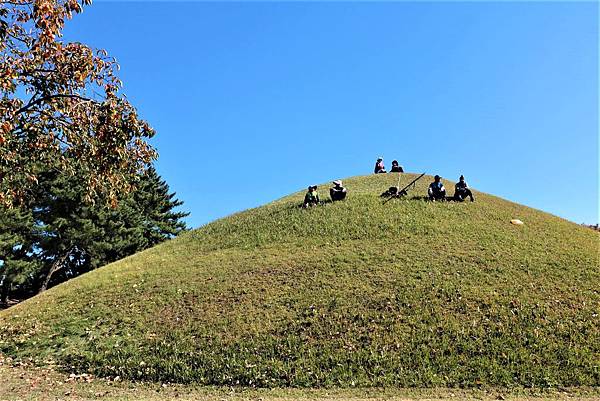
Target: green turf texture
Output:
{"points": [[355, 293]]}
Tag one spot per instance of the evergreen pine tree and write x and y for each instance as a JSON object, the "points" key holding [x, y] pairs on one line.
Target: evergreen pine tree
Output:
{"points": [[60, 236], [156, 205], [17, 264]]}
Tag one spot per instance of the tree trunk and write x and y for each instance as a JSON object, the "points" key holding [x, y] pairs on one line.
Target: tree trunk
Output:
{"points": [[4, 292], [56, 266]]}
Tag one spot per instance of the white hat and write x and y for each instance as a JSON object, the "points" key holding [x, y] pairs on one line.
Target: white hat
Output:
{"points": [[338, 182]]}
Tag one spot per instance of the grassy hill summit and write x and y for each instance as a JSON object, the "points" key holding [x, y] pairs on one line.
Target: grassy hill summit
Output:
{"points": [[353, 293]]}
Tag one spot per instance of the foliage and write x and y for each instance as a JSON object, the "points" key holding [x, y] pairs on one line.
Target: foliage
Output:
{"points": [[60, 102], [353, 293], [67, 237], [17, 264]]}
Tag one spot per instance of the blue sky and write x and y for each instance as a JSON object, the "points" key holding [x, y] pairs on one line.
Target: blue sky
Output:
{"points": [[252, 101]]}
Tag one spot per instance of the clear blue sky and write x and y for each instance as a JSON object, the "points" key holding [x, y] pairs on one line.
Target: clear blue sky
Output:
{"points": [[252, 101]]}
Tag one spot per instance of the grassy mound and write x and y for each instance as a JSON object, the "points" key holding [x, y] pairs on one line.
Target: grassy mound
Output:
{"points": [[355, 293]]}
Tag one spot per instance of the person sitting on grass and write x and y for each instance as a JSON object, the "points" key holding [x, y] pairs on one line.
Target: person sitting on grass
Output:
{"points": [[462, 190], [436, 190], [312, 197], [338, 192], [396, 168], [379, 167]]}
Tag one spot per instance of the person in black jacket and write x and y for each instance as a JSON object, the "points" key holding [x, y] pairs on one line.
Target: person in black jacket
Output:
{"points": [[396, 168], [462, 190], [338, 192]]}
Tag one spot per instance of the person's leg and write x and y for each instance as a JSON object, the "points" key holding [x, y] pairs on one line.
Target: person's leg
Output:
{"points": [[470, 195]]}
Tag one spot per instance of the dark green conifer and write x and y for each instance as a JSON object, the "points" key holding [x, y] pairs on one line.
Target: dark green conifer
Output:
{"points": [[61, 236], [17, 264]]}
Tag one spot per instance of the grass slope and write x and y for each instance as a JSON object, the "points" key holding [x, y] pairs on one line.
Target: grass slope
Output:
{"points": [[356, 293], [20, 383]]}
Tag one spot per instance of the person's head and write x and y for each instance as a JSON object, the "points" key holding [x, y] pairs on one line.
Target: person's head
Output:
{"points": [[337, 183], [436, 178], [395, 163], [312, 188], [379, 159], [462, 178]]}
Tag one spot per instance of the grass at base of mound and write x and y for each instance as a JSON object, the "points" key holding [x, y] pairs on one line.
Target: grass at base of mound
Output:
{"points": [[27, 383]]}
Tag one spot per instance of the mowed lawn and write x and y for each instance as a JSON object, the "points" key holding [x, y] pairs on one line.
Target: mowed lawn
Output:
{"points": [[360, 293], [20, 383]]}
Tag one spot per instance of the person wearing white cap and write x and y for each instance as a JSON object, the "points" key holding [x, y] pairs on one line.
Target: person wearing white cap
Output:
{"points": [[379, 167], [338, 192]]}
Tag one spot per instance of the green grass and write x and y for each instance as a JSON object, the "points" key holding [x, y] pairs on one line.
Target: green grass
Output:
{"points": [[27, 383], [355, 293]]}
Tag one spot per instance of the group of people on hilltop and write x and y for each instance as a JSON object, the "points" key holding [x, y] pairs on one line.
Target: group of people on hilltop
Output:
{"points": [[337, 193], [435, 192], [380, 168]]}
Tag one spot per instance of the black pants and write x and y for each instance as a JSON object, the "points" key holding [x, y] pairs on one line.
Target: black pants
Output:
{"points": [[337, 195], [437, 195], [461, 194]]}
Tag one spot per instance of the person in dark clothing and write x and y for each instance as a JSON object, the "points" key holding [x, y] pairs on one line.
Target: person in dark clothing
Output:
{"points": [[312, 197], [337, 192], [396, 168], [379, 167], [462, 190], [391, 192], [436, 190]]}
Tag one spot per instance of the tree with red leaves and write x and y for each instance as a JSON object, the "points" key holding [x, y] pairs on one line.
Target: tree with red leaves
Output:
{"points": [[61, 106]]}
